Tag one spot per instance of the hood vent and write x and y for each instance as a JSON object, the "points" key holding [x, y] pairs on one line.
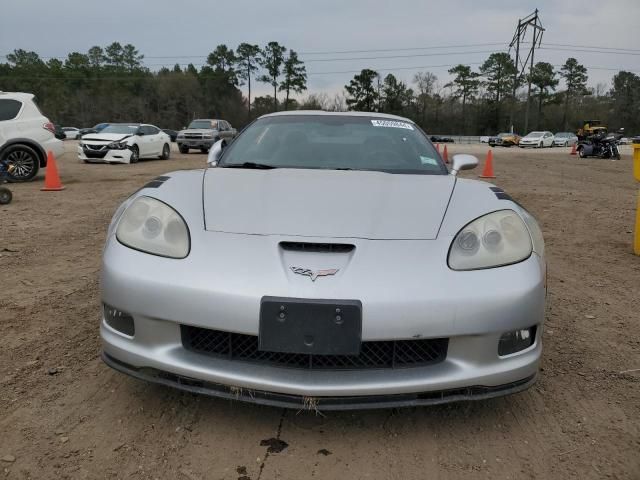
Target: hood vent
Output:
{"points": [[317, 247]]}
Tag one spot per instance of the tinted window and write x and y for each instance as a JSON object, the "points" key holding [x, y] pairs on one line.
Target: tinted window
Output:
{"points": [[336, 142], [200, 124], [124, 129], [149, 130], [9, 108]]}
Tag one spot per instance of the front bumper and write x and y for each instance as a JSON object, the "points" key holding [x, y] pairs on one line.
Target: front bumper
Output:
{"points": [[108, 156], [220, 289], [195, 143], [529, 143], [281, 400]]}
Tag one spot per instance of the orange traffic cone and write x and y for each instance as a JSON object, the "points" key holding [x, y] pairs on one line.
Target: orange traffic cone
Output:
{"points": [[573, 150], [488, 166], [438, 148], [52, 181], [445, 155]]}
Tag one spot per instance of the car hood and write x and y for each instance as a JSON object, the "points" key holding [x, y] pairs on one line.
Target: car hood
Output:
{"points": [[197, 130], [531, 138], [325, 203], [105, 137]]}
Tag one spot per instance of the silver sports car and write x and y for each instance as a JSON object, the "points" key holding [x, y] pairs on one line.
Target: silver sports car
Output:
{"points": [[326, 261]]}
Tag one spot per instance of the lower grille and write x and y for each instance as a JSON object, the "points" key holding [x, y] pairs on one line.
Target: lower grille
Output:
{"points": [[93, 154], [379, 354]]}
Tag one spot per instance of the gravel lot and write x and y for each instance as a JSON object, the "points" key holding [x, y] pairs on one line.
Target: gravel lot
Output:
{"points": [[66, 415]]}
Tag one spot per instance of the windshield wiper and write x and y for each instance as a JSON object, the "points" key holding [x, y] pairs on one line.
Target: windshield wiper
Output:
{"points": [[254, 165]]}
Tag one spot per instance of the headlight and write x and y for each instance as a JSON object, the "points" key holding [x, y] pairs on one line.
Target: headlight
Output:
{"points": [[118, 145], [535, 231], [181, 135], [207, 136], [497, 239], [154, 227]]}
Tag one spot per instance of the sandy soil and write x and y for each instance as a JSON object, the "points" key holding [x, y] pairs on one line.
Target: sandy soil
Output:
{"points": [[66, 415]]}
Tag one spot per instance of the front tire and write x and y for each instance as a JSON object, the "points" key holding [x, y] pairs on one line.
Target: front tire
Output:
{"points": [[135, 154], [204, 150], [581, 152], [25, 161], [166, 152], [5, 196], [183, 149]]}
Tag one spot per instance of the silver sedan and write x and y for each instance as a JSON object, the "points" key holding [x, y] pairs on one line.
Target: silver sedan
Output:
{"points": [[326, 261]]}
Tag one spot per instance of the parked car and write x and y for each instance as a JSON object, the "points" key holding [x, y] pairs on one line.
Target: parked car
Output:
{"points": [[58, 132], [439, 139], [71, 133], [276, 277], [504, 140], [484, 139], [203, 133], [537, 139], [565, 139], [95, 129], [124, 143], [173, 134], [25, 136]]}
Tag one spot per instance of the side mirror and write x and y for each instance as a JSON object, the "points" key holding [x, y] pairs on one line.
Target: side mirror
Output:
{"points": [[462, 161], [216, 152]]}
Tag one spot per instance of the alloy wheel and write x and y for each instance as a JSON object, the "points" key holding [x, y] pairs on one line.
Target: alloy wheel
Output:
{"points": [[23, 163]]}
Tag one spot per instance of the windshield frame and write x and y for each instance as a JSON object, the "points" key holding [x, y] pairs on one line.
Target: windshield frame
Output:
{"points": [[443, 167]]}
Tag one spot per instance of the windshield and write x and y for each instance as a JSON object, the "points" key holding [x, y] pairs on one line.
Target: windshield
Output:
{"points": [[126, 129], [563, 134], [535, 134], [335, 142], [207, 124]]}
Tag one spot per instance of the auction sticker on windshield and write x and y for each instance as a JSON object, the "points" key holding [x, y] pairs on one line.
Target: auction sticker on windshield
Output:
{"points": [[391, 124]]}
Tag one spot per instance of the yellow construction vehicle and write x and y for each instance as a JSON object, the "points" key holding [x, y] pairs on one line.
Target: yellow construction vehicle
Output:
{"points": [[591, 127]]}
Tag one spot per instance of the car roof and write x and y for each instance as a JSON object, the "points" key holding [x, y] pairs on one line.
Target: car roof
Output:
{"points": [[339, 114], [18, 95]]}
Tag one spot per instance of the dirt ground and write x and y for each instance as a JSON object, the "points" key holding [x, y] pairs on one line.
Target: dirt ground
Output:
{"points": [[64, 414]]}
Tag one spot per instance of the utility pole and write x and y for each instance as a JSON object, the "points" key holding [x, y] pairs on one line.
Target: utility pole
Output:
{"points": [[531, 21]]}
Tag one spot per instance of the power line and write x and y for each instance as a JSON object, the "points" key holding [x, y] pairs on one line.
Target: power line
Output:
{"points": [[334, 52], [608, 52], [339, 52]]}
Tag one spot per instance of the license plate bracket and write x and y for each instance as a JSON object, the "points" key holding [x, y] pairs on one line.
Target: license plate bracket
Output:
{"points": [[311, 326]]}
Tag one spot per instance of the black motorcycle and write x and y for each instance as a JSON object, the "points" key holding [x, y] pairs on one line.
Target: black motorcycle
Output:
{"points": [[600, 146]]}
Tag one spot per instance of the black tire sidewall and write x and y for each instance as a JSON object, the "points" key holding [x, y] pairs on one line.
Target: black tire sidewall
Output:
{"points": [[166, 152], [32, 152], [5, 196], [137, 157]]}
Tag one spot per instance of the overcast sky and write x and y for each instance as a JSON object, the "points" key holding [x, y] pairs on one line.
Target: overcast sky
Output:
{"points": [[410, 30]]}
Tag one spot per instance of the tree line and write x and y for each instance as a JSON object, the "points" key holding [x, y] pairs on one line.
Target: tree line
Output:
{"points": [[112, 84], [494, 98]]}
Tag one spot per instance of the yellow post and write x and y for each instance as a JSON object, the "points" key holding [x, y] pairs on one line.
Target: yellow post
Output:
{"points": [[636, 174]]}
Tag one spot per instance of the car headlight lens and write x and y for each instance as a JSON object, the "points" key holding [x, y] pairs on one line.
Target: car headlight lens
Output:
{"points": [[118, 145], [154, 227], [207, 136], [497, 239]]}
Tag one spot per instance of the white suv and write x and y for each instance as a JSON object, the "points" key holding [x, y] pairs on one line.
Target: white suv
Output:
{"points": [[25, 135]]}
